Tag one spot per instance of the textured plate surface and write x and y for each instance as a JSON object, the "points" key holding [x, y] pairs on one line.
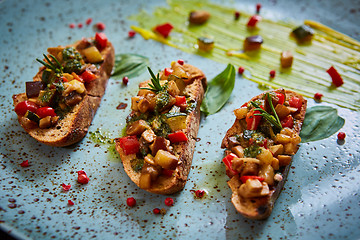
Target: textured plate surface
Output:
{"points": [[321, 198]]}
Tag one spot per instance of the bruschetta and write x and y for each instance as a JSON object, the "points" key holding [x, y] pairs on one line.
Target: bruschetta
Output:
{"points": [[259, 149], [161, 129], [61, 101]]}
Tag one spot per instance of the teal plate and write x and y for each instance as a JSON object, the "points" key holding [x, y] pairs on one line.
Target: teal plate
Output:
{"points": [[321, 198]]}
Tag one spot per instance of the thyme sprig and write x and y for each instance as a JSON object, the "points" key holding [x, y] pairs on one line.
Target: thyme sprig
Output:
{"points": [[274, 120], [155, 85], [54, 66]]}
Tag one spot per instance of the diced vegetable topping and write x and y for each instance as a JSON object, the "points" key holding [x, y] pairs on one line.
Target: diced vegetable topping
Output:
{"points": [[101, 40], [253, 20], [228, 163], [45, 111], [88, 76], [288, 121], [178, 136], [164, 29], [253, 43], [295, 102], [205, 44], [286, 59], [303, 33], [244, 178], [252, 120], [129, 144], [22, 107], [335, 76]]}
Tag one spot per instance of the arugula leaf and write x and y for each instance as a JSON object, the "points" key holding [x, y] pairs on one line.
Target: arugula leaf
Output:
{"points": [[320, 122], [130, 65], [219, 91]]}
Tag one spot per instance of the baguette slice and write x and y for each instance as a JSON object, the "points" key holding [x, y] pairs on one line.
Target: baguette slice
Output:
{"points": [[260, 207], [165, 184], [74, 126]]}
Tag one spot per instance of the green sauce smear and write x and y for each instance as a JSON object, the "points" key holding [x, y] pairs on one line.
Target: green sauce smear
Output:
{"points": [[306, 76], [101, 137]]}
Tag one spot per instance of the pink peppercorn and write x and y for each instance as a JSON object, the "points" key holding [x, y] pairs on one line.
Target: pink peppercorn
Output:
{"points": [[237, 15], [66, 187], [131, 33], [341, 135], [125, 80], [100, 26], [70, 203], [25, 163], [71, 25], [318, 96], [131, 202], [88, 21], [80, 25], [156, 210], [199, 193], [241, 70], [272, 73], [180, 61], [169, 201], [258, 7]]}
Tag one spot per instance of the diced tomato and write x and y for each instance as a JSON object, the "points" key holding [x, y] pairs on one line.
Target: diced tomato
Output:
{"points": [[245, 178], [168, 71], [164, 29], [22, 107], [245, 104], [335, 76], [252, 120], [281, 98], [129, 144], [167, 172], [64, 79], [227, 160], [45, 111], [88, 76], [178, 136], [288, 121], [253, 20], [295, 102], [180, 61], [181, 102], [77, 77], [101, 40]]}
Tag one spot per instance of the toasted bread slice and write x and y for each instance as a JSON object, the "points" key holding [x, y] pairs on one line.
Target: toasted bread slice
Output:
{"points": [[260, 207], [74, 125], [195, 83]]}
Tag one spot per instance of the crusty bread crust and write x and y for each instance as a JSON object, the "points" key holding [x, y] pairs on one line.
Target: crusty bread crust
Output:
{"points": [[261, 207], [75, 125], [184, 150]]}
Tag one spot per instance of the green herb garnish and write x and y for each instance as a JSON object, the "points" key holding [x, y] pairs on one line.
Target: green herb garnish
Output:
{"points": [[274, 120], [320, 122], [219, 91], [54, 66], [155, 85], [130, 65]]}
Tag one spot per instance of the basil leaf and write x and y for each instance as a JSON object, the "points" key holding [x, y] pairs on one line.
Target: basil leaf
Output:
{"points": [[219, 91], [320, 122], [130, 65]]}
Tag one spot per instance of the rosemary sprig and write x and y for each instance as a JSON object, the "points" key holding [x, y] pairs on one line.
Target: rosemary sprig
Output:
{"points": [[54, 66], [274, 120], [155, 85]]}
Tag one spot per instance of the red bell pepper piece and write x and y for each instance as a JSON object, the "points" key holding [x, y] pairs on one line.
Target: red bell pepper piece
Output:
{"points": [[101, 40], [181, 102], [88, 76], [295, 102], [45, 111], [167, 172], [281, 98], [288, 121], [335, 76], [227, 160], [178, 136], [168, 71], [252, 120], [253, 20], [22, 107], [164, 29], [245, 178], [129, 144]]}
